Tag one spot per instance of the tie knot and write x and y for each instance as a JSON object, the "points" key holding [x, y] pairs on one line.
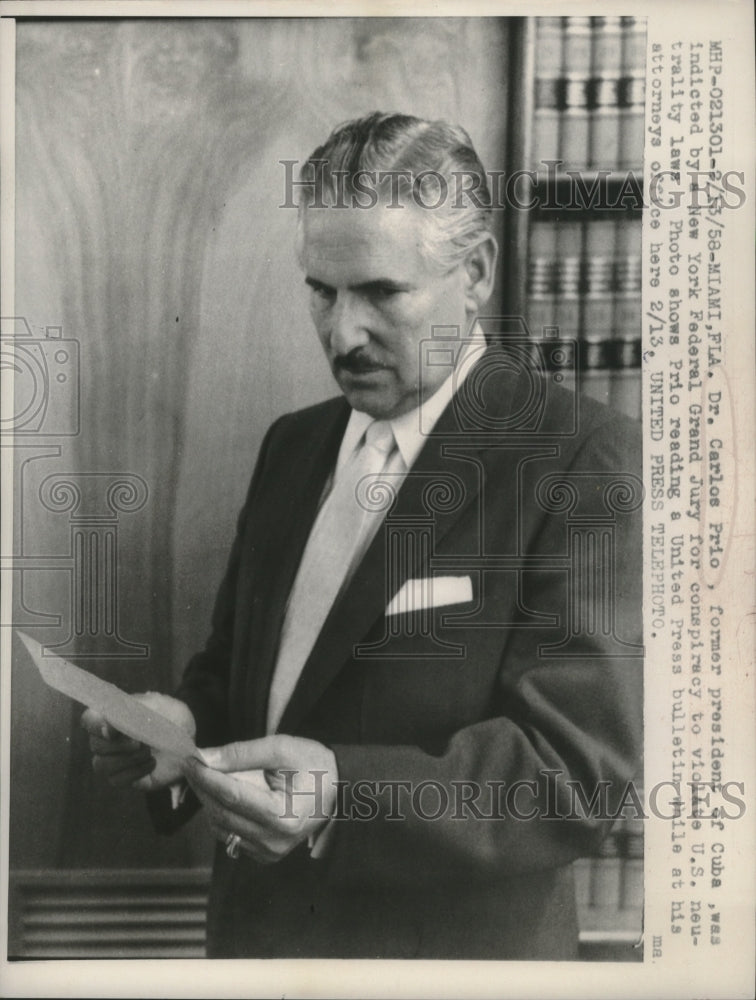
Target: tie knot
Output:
{"points": [[380, 436]]}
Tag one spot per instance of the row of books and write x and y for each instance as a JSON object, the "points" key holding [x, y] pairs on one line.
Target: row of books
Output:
{"points": [[589, 92], [584, 285]]}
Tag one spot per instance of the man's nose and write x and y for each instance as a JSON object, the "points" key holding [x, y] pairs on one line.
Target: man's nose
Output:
{"points": [[348, 324]]}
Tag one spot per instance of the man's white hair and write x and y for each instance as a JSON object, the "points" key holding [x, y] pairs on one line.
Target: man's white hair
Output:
{"points": [[425, 166]]}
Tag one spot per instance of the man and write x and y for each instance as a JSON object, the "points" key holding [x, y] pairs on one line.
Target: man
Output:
{"points": [[422, 645]]}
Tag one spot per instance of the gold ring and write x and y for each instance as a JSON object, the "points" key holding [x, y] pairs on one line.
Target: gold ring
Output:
{"points": [[233, 840]]}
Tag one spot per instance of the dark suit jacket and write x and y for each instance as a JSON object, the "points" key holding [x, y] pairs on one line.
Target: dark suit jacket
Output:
{"points": [[537, 674]]}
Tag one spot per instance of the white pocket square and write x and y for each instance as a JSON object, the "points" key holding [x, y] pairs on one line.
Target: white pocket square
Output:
{"points": [[430, 592]]}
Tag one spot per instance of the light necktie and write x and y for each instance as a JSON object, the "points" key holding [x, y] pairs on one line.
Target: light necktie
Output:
{"points": [[328, 559]]}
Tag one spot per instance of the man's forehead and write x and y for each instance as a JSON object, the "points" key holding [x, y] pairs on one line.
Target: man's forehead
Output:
{"points": [[378, 234]]}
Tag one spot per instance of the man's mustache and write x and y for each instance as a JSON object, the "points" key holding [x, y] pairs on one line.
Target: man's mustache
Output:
{"points": [[355, 363]]}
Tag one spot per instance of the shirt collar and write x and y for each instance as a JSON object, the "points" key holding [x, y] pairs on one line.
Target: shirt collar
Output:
{"points": [[410, 431]]}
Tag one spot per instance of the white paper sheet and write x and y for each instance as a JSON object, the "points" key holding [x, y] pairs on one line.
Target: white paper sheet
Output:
{"points": [[122, 711]]}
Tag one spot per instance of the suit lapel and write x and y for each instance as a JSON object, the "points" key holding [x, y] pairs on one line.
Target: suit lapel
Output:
{"points": [[291, 511]]}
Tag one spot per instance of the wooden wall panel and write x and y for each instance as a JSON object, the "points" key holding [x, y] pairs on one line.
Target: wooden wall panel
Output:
{"points": [[148, 186]]}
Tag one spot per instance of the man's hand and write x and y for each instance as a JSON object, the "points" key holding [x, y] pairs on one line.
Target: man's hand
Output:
{"points": [[123, 761], [273, 793]]}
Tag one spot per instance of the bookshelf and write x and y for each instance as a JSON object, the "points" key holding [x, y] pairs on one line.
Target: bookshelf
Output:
{"points": [[573, 254], [572, 269]]}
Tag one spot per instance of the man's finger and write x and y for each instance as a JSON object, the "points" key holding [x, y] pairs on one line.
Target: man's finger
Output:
{"points": [[93, 722], [120, 777], [97, 725], [124, 745], [112, 763], [267, 753], [249, 829], [258, 851], [247, 798]]}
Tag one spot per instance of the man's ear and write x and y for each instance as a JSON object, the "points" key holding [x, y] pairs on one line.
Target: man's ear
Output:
{"points": [[480, 273]]}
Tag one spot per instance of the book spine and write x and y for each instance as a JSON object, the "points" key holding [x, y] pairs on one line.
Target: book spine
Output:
{"points": [[596, 332], [582, 873], [575, 135], [604, 96], [542, 278], [632, 93], [631, 888], [606, 877], [626, 395], [548, 91], [569, 249]]}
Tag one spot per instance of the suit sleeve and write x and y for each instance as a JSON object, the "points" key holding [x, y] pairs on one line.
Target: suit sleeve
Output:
{"points": [[510, 782], [204, 686]]}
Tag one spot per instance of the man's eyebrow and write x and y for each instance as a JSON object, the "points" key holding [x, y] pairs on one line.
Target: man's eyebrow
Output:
{"points": [[383, 283], [320, 285], [376, 284]]}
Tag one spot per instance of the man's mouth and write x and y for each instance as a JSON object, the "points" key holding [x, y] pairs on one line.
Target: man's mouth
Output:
{"points": [[356, 366]]}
